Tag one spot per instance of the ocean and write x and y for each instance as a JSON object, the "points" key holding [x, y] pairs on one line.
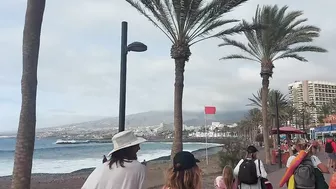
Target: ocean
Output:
{"points": [[65, 158]]}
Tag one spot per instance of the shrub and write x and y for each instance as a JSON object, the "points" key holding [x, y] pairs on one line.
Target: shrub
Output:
{"points": [[259, 138], [233, 150]]}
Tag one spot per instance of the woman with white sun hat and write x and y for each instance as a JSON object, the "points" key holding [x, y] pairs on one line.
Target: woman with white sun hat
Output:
{"points": [[123, 170]]}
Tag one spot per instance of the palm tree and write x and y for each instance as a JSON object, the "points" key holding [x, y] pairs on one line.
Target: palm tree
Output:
{"points": [[254, 116], [324, 111], [244, 128], [307, 110], [273, 97], [25, 139], [284, 37], [332, 104], [291, 113], [185, 23]]}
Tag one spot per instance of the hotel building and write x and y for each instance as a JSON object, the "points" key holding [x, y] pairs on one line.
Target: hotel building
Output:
{"points": [[317, 92]]}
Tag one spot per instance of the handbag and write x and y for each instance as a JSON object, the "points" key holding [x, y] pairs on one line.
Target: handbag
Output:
{"points": [[320, 182], [265, 184]]}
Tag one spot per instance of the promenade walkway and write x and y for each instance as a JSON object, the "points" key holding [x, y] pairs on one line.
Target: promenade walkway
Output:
{"points": [[275, 177]]}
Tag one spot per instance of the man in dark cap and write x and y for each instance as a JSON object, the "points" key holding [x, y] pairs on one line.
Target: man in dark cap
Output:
{"points": [[250, 170]]}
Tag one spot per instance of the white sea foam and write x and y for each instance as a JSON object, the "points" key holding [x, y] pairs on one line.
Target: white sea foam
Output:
{"points": [[67, 166], [52, 166], [13, 136], [70, 165]]}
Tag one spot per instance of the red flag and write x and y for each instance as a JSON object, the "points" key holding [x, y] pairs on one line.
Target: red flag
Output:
{"points": [[210, 110]]}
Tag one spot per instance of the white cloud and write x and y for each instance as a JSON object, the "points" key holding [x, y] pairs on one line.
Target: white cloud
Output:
{"points": [[80, 56]]}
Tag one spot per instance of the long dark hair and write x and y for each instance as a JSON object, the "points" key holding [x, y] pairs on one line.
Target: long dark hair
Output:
{"points": [[124, 155]]}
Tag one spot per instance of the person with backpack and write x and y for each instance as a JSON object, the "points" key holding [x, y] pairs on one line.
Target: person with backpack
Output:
{"points": [[330, 149], [308, 174], [250, 171]]}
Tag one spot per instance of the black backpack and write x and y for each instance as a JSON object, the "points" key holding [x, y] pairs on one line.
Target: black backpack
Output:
{"points": [[248, 172], [328, 148]]}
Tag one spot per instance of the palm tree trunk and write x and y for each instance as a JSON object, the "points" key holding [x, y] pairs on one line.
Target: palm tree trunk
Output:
{"points": [[178, 95], [251, 134], [25, 139], [264, 99]]}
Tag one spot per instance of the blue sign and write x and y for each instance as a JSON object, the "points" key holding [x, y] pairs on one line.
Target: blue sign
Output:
{"points": [[328, 128]]}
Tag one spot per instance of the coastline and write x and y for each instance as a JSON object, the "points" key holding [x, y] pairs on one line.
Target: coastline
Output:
{"points": [[185, 140], [200, 153], [156, 169]]}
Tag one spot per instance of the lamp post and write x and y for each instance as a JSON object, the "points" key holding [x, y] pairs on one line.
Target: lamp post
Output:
{"points": [[278, 127], [135, 47], [303, 123]]}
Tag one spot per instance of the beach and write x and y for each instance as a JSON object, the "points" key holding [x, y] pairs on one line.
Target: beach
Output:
{"points": [[154, 179], [50, 157]]}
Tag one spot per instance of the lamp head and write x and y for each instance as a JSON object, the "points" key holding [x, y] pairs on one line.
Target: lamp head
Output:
{"points": [[137, 47]]}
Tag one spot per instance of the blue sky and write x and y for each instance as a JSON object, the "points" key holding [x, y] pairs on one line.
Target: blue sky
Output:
{"points": [[79, 61]]}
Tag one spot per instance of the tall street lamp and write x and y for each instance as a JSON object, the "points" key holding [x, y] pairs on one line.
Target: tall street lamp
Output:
{"points": [[303, 122], [135, 47], [278, 127]]}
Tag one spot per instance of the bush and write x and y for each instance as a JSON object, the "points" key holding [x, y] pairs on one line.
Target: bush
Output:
{"points": [[259, 138], [233, 151]]}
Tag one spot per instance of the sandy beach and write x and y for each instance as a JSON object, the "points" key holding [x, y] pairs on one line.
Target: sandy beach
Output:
{"points": [[155, 174]]}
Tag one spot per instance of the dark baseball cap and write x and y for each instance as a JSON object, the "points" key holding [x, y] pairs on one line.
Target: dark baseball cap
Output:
{"points": [[184, 160], [251, 149]]}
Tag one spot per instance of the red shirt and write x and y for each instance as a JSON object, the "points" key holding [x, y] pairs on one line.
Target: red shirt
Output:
{"points": [[333, 144]]}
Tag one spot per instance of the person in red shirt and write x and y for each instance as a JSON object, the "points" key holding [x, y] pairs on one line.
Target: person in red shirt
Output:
{"points": [[330, 149]]}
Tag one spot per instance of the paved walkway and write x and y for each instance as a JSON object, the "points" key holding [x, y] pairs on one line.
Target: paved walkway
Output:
{"points": [[275, 177]]}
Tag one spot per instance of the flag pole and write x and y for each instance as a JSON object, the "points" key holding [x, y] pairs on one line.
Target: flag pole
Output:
{"points": [[206, 138]]}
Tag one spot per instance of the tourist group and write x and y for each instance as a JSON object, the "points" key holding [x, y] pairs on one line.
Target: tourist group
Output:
{"points": [[304, 169]]}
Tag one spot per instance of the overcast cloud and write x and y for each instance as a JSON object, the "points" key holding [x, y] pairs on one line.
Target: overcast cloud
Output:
{"points": [[79, 62]]}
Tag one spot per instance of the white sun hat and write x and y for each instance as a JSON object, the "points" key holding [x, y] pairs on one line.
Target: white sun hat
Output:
{"points": [[125, 139]]}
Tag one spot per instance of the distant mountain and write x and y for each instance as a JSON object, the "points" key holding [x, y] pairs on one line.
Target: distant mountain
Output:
{"points": [[156, 117]]}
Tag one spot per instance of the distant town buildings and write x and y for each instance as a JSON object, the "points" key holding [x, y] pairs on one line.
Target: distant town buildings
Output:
{"points": [[316, 92], [161, 131]]}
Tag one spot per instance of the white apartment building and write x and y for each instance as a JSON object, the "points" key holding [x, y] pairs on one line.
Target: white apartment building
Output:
{"points": [[317, 92]]}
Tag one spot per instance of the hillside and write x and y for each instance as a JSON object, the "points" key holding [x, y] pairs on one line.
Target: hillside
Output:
{"points": [[157, 117]]}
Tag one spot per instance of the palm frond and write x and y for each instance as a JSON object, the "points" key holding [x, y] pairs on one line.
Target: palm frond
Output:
{"points": [[189, 21], [274, 96], [152, 19], [212, 26], [292, 53], [237, 56], [239, 45], [305, 49], [296, 23], [253, 43], [243, 27], [282, 36], [209, 14], [256, 100], [294, 56]]}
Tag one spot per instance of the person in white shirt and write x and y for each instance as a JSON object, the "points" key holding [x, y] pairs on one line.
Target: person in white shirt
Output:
{"points": [[122, 171], [252, 175]]}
